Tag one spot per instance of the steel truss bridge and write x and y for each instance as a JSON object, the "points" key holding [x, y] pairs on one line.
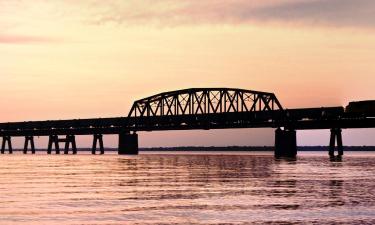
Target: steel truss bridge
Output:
{"points": [[195, 108]]}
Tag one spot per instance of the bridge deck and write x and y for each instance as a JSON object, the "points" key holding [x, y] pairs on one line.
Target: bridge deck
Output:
{"points": [[298, 119]]}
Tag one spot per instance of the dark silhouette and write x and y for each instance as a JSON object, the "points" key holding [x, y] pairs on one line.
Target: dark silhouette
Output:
{"points": [[69, 140], [27, 140], [199, 108], [98, 138]]}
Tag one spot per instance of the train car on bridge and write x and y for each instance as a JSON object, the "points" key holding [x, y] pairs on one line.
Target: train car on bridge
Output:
{"points": [[364, 108]]}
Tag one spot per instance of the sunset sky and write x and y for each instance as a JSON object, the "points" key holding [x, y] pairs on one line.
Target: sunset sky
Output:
{"points": [[91, 58]]}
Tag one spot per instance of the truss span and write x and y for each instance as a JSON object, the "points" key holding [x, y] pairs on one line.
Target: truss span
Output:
{"points": [[197, 101]]}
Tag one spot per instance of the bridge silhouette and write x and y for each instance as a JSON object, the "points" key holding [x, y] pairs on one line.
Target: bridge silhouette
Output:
{"points": [[189, 109]]}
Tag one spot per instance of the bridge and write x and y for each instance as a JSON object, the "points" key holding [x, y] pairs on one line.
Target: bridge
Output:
{"points": [[189, 109]]}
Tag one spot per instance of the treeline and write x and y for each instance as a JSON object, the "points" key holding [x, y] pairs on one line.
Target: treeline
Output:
{"points": [[234, 148], [253, 148]]}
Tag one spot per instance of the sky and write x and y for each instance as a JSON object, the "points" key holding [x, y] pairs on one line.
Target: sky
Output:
{"points": [[90, 58]]}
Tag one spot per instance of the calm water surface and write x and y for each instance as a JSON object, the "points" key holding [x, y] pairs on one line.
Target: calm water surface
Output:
{"points": [[189, 188]]}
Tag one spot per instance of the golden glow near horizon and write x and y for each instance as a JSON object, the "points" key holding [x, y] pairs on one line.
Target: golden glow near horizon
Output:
{"points": [[65, 59]]}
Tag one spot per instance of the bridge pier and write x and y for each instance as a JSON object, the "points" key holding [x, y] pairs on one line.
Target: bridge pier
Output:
{"points": [[128, 143], [285, 143], [32, 145], [53, 139], [70, 139], [97, 138], [336, 135], [7, 140]]}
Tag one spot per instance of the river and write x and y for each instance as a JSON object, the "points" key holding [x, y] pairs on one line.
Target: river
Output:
{"points": [[187, 188]]}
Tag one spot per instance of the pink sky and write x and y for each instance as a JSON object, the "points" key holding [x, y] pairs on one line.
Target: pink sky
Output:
{"points": [[79, 59]]}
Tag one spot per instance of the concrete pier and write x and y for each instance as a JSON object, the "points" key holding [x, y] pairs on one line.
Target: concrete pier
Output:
{"points": [[336, 135], [128, 144], [285, 143]]}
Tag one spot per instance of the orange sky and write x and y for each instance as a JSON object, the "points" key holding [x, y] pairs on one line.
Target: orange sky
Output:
{"points": [[64, 59]]}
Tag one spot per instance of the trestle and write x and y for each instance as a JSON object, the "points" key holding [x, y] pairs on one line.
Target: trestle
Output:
{"points": [[53, 140], [97, 138], [128, 144], [7, 140], [336, 135], [32, 145], [70, 139]]}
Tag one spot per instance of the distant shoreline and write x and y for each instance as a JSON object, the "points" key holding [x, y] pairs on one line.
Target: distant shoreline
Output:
{"points": [[228, 148], [254, 148]]}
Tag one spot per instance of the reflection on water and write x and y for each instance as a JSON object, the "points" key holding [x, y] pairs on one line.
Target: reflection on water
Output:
{"points": [[165, 188]]}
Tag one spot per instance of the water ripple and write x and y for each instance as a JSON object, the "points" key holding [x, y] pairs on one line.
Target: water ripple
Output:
{"points": [[186, 189]]}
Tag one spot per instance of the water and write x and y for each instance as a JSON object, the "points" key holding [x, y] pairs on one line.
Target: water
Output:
{"points": [[201, 188]]}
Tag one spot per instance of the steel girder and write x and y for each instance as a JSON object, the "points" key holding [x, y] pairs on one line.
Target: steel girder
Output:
{"points": [[197, 101]]}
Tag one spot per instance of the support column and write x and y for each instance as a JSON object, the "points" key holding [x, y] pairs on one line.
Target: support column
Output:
{"points": [[101, 145], [27, 140], [285, 143], [67, 143], [74, 146], [53, 140], [336, 135], [97, 137], [7, 140], [70, 139], [128, 144], [3, 145], [332, 140], [340, 147]]}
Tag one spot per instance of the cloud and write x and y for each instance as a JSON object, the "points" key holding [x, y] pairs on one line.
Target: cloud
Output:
{"points": [[325, 12], [347, 13], [176, 12], [24, 39]]}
